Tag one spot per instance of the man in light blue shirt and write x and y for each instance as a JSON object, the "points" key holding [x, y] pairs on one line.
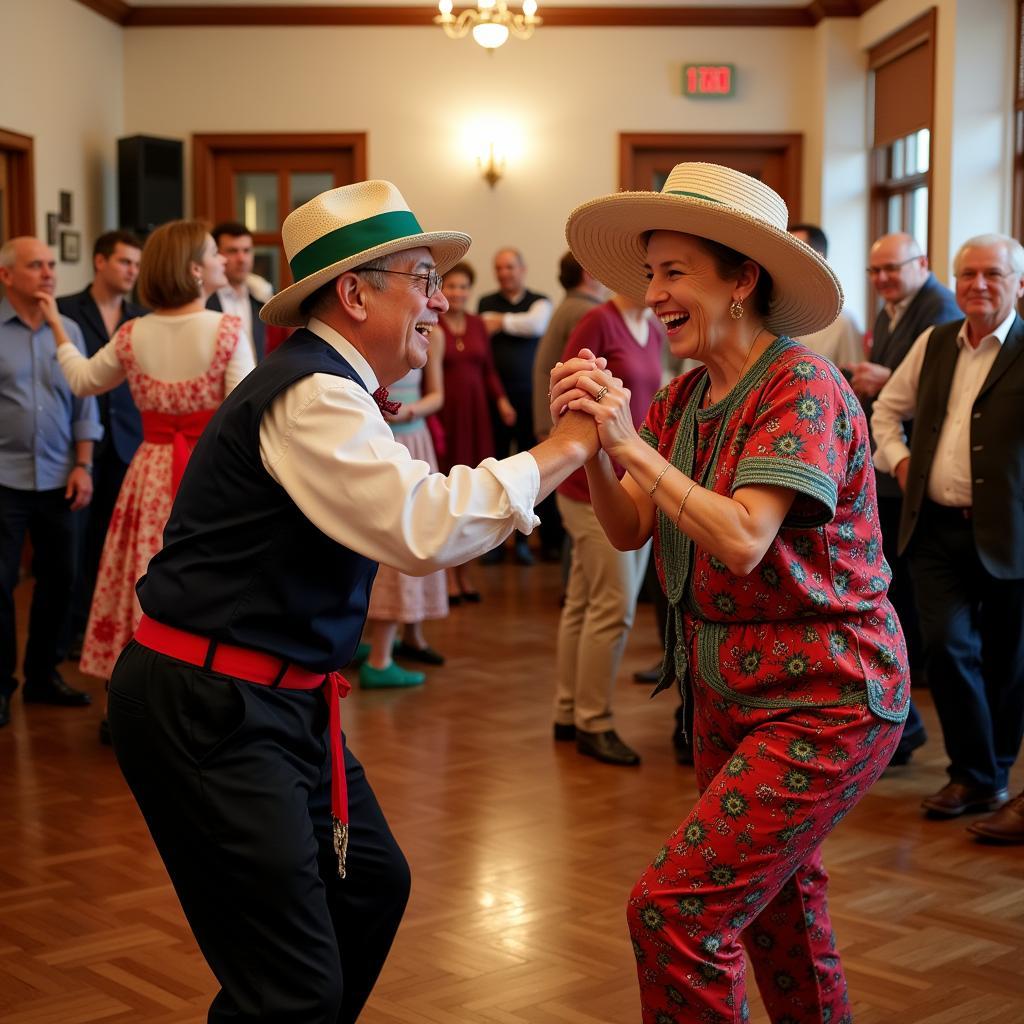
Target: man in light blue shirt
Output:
{"points": [[46, 441]]}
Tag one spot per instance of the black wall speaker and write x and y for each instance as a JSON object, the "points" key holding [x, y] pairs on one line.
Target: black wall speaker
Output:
{"points": [[150, 186]]}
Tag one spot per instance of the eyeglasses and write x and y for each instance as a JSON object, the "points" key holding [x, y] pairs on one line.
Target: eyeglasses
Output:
{"points": [[890, 268], [991, 276], [432, 280]]}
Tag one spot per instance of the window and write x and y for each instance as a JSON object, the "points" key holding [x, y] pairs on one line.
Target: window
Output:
{"points": [[903, 81]]}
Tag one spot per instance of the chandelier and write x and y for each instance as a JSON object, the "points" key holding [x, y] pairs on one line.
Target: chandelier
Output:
{"points": [[490, 21]]}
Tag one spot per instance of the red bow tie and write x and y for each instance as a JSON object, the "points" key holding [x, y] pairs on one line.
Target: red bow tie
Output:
{"points": [[380, 396]]}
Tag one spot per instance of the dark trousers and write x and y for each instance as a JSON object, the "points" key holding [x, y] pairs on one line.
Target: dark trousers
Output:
{"points": [[108, 475], [233, 780], [45, 517], [973, 629]]}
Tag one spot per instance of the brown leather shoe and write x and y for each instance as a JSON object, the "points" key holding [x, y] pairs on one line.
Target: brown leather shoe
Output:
{"points": [[1005, 826], [607, 747], [956, 798]]}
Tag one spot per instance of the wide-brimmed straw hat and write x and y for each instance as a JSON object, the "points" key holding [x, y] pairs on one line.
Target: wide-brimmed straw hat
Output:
{"points": [[345, 228], [720, 204]]}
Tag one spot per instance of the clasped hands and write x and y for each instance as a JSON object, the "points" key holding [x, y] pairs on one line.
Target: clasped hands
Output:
{"points": [[586, 399]]}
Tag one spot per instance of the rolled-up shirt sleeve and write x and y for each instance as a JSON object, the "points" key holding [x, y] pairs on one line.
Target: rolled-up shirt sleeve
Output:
{"points": [[85, 412], [325, 442], [896, 403], [531, 323]]}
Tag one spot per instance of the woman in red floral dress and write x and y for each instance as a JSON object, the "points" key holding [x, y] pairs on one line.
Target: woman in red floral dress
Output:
{"points": [[180, 362], [753, 473]]}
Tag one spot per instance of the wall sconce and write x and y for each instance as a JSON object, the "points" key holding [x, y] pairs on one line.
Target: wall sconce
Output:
{"points": [[491, 162]]}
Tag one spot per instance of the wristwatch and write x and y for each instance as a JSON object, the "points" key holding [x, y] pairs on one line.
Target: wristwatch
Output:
{"points": [[87, 466]]}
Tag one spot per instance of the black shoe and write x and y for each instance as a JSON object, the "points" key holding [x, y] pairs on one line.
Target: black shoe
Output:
{"points": [[471, 596], [5, 709], [493, 557], [565, 732], [648, 675], [524, 556], [424, 655], [105, 737], [908, 743], [54, 691], [606, 747], [454, 600]]}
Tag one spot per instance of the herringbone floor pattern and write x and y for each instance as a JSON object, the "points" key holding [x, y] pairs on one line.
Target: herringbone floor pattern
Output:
{"points": [[522, 855]]}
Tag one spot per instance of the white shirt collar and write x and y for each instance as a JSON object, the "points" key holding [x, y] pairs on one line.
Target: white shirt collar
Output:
{"points": [[999, 333], [229, 292], [345, 348]]}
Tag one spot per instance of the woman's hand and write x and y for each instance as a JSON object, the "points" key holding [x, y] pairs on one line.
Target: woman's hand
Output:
{"points": [[48, 307], [506, 411], [604, 397], [563, 380]]}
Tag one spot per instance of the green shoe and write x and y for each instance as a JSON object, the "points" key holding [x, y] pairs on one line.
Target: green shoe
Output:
{"points": [[392, 677], [362, 653]]}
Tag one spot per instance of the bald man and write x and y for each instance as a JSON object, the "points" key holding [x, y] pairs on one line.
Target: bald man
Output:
{"points": [[914, 301]]}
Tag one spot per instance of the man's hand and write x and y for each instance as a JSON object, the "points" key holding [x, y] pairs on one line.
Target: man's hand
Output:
{"points": [[493, 321], [900, 472], [79, 488], [579, 429], [506, 411], [867, 379]]}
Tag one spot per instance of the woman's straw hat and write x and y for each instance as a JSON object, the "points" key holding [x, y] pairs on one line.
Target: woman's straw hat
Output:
{"points": [[345, 228], [607, 236]]}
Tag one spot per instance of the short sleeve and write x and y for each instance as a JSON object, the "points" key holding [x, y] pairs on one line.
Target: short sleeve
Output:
{"points": [[654, 422], [801, 437]]}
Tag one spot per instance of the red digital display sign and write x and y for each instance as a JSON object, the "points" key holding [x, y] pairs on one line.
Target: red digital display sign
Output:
{"points": [[708, 79]]}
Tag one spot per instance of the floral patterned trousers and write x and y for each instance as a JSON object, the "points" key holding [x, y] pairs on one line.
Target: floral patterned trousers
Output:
{"points": [[745, 866]]}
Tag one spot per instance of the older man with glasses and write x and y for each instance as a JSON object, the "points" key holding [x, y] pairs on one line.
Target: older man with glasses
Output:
{"points": [[914, 301], [224, 710], [962, 477]]}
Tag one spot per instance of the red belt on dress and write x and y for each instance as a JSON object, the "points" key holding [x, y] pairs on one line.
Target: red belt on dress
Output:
{"points": [[180, 431], [264, 670]]}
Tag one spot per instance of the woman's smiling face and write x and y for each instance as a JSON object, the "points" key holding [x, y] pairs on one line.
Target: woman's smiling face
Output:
{"points": [[686, 293]]}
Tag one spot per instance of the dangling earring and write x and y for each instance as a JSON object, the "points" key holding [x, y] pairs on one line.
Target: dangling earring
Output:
{"points": [[199, 284], [736, 310]]}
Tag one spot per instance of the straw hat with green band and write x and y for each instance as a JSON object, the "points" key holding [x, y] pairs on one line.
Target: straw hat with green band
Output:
{"points": [[606, 235], [345, 228]]}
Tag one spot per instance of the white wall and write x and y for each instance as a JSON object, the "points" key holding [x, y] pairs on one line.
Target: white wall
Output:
{"points": [[568, 93], [61, 81]]}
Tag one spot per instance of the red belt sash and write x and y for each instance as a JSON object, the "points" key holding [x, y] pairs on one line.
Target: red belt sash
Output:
{"points": [[180, 431], [264, 670]]}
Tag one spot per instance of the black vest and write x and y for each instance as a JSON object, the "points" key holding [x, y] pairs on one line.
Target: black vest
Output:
{"points": [[240, 563], [997, 447], [513, 353]]}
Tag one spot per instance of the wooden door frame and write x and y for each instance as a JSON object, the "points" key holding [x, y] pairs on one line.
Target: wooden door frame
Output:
{"points": [[206, 148], [21, 151], [789, 144]]}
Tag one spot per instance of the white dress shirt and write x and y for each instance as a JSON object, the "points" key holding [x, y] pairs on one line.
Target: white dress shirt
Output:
{"points": [[531, 323], [326, 443], [237, 304], [167, 348], [949, 481]]}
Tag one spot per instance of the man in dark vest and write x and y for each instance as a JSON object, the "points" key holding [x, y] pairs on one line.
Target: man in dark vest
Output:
{"points": [[99, 310], [234, 243], [224, 709], [914, 300], [962, 479], [516, 318]]}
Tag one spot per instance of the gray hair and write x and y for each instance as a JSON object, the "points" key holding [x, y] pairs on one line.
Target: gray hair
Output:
{"points": [[7, 253], [1013, 249], [322, 300], [379, 281]]}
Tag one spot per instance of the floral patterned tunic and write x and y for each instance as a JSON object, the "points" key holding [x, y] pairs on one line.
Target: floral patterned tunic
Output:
{"points": [[811, 625]]}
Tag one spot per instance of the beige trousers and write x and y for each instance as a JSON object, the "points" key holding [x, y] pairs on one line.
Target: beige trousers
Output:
{"points": [[600, 603]]}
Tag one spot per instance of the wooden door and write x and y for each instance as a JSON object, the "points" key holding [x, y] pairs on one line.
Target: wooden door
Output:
{"points": [[17, 186], [645, 160], [259, 179]]}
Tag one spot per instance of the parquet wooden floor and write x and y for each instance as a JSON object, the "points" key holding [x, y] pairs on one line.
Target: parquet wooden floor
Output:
{"points": [[522, 855]]}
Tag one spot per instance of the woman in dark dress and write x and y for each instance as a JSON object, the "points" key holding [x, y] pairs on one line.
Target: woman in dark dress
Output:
{"points": [[471, 388]]}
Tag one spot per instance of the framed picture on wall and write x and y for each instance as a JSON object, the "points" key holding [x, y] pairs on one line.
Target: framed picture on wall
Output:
{"points": [[52, 228], [70, 246], [65, 207]]}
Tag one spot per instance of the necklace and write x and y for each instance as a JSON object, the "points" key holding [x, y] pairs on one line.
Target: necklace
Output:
{"points": [[746, 359], [458, 337]]}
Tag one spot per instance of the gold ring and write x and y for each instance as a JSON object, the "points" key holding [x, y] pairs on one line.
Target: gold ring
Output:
{"points": [[601, 394]]}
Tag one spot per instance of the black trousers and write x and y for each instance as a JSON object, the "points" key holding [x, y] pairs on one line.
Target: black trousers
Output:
{"points": [[46, 517], [973, 629], [234, 782]]}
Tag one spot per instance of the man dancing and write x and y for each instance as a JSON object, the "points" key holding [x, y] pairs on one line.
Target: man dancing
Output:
{"points": [[224, 709]]}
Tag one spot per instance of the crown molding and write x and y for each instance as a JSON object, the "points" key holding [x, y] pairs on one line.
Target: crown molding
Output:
{"points": [[422, 15]]}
